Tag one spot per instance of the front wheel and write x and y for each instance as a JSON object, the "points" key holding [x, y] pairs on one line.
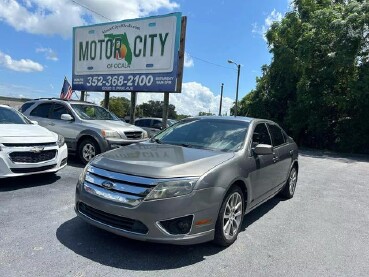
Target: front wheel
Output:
{"points": [[230, 218], [87, 150], [289, 188]]}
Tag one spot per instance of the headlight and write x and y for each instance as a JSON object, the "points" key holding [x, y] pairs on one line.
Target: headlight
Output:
{"points": [[60, 141], [144, 135], [172, 188], [110, 134], [82, 177]]}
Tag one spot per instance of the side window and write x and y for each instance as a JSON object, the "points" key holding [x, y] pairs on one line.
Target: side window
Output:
{"points": [[42, 110], [157, 124], [138, 123], [145, 122], [58, 110], [277, 135], [261, 135], [25, 106]]}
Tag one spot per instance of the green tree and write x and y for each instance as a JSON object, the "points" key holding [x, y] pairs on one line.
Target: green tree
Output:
{"points": [[118, 105], [317, 84], [155, 109]]}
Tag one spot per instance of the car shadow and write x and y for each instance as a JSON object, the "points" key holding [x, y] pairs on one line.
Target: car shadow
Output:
{"points": [[15, 183], [118, 252], [73, 161]]}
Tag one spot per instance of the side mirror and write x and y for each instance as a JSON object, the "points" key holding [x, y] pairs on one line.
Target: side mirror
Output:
{"points": [[66, 117], [34, 122], [263, 149]]}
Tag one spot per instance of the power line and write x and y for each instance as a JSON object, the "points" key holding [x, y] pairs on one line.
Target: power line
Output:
{"points": [[87, 8], [205, 61]]}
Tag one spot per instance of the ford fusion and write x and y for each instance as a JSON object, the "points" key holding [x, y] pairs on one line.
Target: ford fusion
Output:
{"points": [[26, 148], [192, 183]]}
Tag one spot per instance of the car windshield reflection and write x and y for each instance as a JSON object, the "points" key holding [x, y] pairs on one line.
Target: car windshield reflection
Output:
{"points": [[209, 134]]}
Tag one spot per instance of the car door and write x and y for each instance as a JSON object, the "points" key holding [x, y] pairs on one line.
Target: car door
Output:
{"points": [[41, 114], [62, 127], [263, 178], [282, 151]]}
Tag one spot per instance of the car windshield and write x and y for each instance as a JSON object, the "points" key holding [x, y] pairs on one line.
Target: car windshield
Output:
{"points": [[212, 134], [10, 116], [93, 112]]}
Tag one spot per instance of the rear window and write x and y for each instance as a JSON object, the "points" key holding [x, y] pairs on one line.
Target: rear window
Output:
{"points": [[25, 106]]}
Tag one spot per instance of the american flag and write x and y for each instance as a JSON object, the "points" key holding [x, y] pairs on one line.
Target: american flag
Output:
{"points": [[66, 92]]}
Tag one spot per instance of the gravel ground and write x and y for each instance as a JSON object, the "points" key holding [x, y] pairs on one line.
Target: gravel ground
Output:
{"points": [[322, 231]]}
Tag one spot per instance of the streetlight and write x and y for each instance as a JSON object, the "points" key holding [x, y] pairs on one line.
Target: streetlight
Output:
{"points": [[238, 80]]}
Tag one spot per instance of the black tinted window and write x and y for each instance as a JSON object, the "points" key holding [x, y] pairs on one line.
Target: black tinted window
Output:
{"points": [[143, 122], [25, 106], [261, 135], [42, 110], [157, 124], [58, 110], [277, 135]]}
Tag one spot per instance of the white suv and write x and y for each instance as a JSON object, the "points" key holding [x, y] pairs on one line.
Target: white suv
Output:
{"points": [[26, 148]]}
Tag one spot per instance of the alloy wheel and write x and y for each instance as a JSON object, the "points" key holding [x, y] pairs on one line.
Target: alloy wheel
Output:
{"points": [[232, 216]]}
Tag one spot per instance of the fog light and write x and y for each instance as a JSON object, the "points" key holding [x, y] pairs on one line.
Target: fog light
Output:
{"points": [[177, 226]]}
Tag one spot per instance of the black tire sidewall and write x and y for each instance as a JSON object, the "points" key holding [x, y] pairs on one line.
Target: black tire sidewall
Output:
{"points": [[219, 237]]}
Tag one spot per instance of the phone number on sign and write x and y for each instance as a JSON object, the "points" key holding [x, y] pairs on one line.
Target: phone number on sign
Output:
{"points": [[138, 80]]}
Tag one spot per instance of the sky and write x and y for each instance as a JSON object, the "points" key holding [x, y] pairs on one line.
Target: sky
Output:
{"points": [[36, 45]]}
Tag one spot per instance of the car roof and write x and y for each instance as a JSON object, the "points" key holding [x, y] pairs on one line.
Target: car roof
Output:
{"points": [[232, 118], [62, 100]]}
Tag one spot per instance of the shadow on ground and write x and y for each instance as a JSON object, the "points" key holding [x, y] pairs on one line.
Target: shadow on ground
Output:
{"points": [[115, 251], [15, 183]]}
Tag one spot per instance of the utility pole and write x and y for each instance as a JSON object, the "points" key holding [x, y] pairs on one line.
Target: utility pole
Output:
{"points": [[221, 98]]}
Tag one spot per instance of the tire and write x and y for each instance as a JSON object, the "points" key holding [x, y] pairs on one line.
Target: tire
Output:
{"points": [[289, 188], [87, 150], [226, 233]]}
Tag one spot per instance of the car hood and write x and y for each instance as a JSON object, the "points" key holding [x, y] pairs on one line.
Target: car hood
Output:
{"points": [[29, 133], [160, 160], [118, 126]]}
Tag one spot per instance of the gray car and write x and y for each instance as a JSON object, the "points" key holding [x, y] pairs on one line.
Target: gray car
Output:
{"points": [[153, 125], [192, 183], [88, 129]]}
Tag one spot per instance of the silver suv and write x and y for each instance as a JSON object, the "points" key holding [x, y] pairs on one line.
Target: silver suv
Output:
{"points": [[88, 129]]}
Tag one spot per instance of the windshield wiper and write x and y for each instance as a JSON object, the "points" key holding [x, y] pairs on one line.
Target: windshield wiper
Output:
{"points": [[156, 140]]}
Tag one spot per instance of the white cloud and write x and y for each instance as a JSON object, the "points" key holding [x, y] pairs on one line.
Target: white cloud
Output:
{"points": [[188, 61], [23, 65], [49, 53], [50, 17], [274, 16]]}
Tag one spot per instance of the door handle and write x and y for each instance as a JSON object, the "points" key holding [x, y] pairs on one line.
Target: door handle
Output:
{"points": [[275, 159]]}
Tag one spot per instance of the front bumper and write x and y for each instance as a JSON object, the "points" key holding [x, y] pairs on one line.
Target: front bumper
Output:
{"points": [[203, 205], [8, 168], [115, 143]]}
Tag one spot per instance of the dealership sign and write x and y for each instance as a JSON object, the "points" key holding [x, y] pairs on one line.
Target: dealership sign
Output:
{"points": [[130, 55]]}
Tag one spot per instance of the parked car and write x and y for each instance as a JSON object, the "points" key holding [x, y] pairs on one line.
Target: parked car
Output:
{"points": [[26, 148], [88, 128], [153, 125], [191, 183]]}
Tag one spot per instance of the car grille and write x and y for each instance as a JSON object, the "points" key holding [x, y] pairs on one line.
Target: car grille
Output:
{"points": [[30, 157], [42, 144], [133, 135], [32, 169], [115, 221], [125, 189]]}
